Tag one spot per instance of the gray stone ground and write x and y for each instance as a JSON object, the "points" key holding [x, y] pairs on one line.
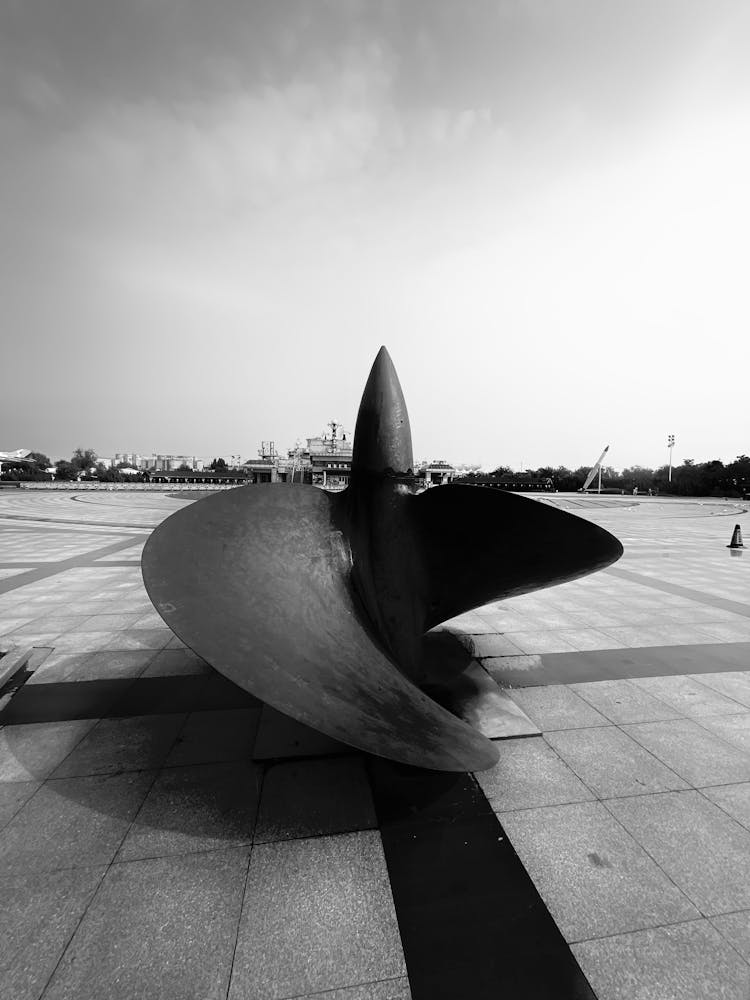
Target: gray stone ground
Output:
{"points": [[141, 855]]}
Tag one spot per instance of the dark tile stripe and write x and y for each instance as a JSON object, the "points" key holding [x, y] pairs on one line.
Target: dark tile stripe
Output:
{"points": [[472, 923], [711, 600], [53, 568], [123, 697], [63, 701], [28, 564], [64, 527], [63, 521], [118, 563], [192, 693], [619, 664]]}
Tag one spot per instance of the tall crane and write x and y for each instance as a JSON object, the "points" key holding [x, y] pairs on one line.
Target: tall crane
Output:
{"points": [[594, 470]]}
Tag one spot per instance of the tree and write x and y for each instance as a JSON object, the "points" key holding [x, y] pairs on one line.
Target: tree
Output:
{"points": [[565, 480], [40, 460], [219, 465], [66, 470], [738, 475], [32, 468], [184, 468], [83, 458], [105, 475], [637, 475]]}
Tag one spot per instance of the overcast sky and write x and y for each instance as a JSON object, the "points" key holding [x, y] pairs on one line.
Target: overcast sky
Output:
{"points": [[213, 214]]}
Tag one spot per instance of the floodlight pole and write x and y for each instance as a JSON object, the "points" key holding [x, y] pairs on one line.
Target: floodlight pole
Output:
{"points": [[670, 445]]}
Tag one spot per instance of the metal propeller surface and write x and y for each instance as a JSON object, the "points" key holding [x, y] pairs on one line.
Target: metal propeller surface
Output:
{"points": [[317, 603]]}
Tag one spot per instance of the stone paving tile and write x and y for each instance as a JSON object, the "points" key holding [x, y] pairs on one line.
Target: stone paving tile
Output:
{"points": [[80, 642], [735, 928], [611, 764], [141, 638], [689, 961], [528, 774], [541, 641], [555, 706], [659, 635], [692, 752], [215, 736], [280, 736], [683, 635], [309, 798], [127, 744], [8, 625], [501, 617], [588, 638], [60, 623], [602, 620], [39, 655], [32, 639], [697, 614], [38, 914], [107, 622], [704, 851], [480, 646], [499, 666], [200, 808], [88, 606], [729, 631], [318, 915], [59, 666], [98, 665], [72, 823], [33, 751], [109, 663], [688, 696], [733, 684], [734, 729], [151, 619], [552, 619], [158, 928], [19, 605], [622, 702], [469, 623], [176, 662], [733, 799], [595, 879], [133, 604], [13, 796]]}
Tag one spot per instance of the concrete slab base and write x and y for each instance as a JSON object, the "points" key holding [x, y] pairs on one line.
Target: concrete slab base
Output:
{"points": [[477, 699]]}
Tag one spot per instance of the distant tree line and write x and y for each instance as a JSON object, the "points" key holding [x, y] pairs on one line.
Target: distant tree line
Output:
{"points": [[27, 472], [84, 466], [692, 478], [709, 479]]}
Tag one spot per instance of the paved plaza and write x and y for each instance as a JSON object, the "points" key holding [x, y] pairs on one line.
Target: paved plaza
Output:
{"points": [[164, 834]]}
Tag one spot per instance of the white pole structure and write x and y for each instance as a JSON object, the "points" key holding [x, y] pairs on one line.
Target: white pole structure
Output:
{"points": [[670, 445], [594, 469]]}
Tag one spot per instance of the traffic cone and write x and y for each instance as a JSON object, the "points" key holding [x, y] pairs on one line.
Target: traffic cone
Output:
{"points": [[736, 542]]}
